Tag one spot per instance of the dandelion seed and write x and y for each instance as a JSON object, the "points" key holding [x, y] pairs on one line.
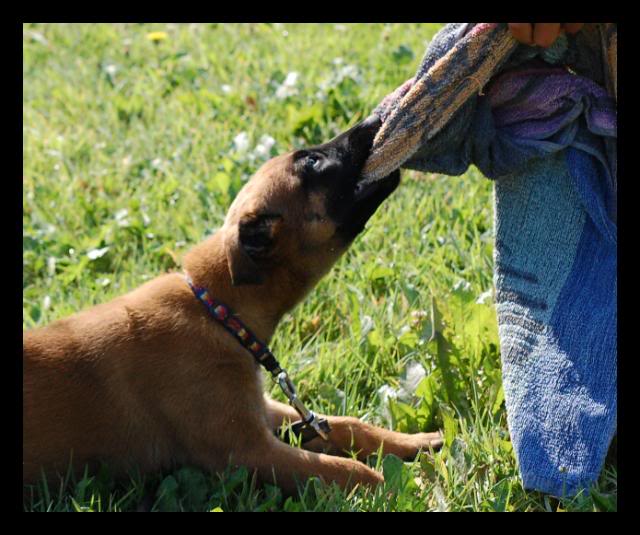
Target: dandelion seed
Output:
{"points": [[226, 89]]}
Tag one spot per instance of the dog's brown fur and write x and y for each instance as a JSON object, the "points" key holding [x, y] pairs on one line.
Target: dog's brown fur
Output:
{"points": [[149, 379]]}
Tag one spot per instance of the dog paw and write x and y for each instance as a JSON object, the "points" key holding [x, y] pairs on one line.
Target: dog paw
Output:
{"points": [[427, 441]]}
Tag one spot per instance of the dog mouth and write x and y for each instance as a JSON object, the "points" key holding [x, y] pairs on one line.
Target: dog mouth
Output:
{"points": [[367, 198], [354, 201], [365, 190]]}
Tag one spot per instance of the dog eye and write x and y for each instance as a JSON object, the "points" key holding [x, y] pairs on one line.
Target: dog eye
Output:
{"points": [[312, 163]]}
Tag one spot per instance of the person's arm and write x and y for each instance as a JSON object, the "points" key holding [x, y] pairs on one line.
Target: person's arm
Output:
{"points": [[542, 33]]}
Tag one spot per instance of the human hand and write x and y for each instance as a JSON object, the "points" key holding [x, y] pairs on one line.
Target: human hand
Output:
{"points": [[542, 33]]}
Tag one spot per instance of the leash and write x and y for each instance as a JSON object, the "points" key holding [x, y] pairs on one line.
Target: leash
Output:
{"points": [[310, 426]]}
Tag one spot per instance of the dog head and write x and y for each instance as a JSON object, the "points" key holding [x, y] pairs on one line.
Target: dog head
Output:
{"points": [[301, 210]]}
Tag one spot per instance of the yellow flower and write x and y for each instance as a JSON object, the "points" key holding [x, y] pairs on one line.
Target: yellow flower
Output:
{"points": [[157, 36]]}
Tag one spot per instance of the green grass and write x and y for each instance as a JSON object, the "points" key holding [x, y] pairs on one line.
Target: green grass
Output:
{"points": [[129, 159]]}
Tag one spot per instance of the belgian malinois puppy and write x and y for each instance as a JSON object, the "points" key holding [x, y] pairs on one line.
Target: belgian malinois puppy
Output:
{"points": [[149, 379]]}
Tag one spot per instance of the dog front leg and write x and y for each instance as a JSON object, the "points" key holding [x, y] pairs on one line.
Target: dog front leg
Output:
{"points": [[351, 434], [279, 414], [284, 465]]}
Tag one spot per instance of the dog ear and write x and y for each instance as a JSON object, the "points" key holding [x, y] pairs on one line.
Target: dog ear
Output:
{"points": [[249, 245]]}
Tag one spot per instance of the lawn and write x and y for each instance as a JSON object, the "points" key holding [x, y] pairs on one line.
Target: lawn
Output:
{"points": [[137, 137]]}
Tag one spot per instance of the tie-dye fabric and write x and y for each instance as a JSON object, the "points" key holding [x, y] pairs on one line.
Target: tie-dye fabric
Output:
{"points": [[542, 124]]}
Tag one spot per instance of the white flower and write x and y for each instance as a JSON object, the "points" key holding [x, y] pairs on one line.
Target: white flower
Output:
{"points": [[226, 88], [415, 373], [121, 214], [462, 286], [385, 394], [366, 325], [349, 71], [111, 69], [288, 87], [291, 79], [241, 142], [121, 218], [97, 253], [485, 297], [38, 38], [51, 266], [46, 302], [264, 146]]}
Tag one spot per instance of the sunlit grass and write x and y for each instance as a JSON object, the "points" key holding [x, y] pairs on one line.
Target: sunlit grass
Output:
{"points": [[136, 139]]}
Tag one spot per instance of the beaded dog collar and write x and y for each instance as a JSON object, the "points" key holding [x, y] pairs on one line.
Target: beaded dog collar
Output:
{"points": [[310, 426]]}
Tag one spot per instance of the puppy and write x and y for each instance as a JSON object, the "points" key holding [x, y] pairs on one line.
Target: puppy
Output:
{"points": [[150, 379]]}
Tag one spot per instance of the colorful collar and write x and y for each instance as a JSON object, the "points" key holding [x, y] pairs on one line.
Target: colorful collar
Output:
{"points": [[225, 316], [310, 426]]}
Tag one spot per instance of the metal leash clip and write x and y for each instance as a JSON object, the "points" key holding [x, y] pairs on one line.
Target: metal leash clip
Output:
{"points": [[309, 417]]}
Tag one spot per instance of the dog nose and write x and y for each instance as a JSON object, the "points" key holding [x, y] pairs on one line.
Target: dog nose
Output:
{"points": [[362, 135], [372, 122]]}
